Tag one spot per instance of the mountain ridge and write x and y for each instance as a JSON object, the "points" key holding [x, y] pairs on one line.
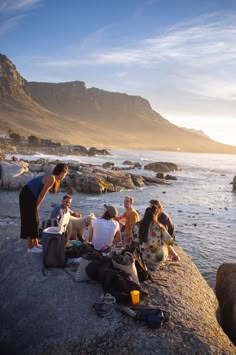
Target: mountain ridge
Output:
{"points": [[72, 113]]}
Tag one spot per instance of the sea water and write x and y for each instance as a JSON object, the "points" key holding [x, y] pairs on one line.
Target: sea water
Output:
{"points": [[201, 201]]}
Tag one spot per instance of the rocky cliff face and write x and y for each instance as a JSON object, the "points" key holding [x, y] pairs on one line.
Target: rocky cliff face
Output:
{"points": [[72, 113], [74, 98], [11, 82]]}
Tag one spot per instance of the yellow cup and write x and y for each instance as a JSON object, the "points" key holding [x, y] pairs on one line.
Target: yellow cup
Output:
{"points": [[135, 296]]}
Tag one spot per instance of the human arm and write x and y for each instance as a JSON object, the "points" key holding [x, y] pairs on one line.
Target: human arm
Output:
{"points": [[48, 182], [75, 214], [165, 236], [121, 218], [118, 238], [171, 228], [131, 220], [90, 236]]}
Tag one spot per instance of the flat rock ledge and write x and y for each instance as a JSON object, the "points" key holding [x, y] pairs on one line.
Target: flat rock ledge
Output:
{"points": [[53, 314]]}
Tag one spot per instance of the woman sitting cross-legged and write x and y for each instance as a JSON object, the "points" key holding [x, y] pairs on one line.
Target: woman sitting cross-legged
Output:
{"points": [[150, 236], [105, 230]]}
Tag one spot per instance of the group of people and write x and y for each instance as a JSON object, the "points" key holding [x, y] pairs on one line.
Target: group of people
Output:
{"points": [[149, 234]]}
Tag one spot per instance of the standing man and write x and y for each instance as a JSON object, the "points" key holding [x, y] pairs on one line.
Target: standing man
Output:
{"points": [[130, 216], [63, 208]]}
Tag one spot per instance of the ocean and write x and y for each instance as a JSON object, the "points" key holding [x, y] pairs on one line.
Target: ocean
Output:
{"points": [[201, 201]]}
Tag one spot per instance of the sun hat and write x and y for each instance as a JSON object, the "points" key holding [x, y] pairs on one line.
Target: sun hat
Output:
{"points": [[113, 212]]}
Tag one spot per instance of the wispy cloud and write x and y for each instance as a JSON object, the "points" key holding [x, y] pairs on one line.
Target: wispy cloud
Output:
{"points": [[203, 53], [196, 57], [198, 41], [15, 5], [10, 23]]}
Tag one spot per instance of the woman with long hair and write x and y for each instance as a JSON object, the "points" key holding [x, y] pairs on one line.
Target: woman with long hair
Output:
{"points": [[163, 217], [31, 197], [151, 236]]}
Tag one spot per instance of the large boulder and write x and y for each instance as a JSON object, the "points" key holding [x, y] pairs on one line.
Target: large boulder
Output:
{"points": [[52, 314], [226, 294], [162, 167], [149, 180], [91, 183], [137, 180], [14, 174]]}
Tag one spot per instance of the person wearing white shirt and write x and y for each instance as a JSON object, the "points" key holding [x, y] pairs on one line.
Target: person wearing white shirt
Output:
{"points": [[105, 230]]}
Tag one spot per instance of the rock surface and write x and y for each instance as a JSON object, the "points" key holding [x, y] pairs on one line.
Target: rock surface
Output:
{"points": [[162, 167], [85, 178], [226, 294], [53, 314]]}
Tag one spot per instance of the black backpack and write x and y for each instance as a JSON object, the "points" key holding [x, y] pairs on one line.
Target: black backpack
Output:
{"points": [[54, 251], [142, 270]]}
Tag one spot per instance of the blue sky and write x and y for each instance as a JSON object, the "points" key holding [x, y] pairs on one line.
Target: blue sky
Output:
{"points": [[178, 54]]}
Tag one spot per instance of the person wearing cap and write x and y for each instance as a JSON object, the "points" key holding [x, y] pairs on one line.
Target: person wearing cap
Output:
{"points": [[105, 230], [164, 218], [130, 216]]}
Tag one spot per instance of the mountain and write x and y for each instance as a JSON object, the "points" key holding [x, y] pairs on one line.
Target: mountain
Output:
{"points": [[72, 113]]}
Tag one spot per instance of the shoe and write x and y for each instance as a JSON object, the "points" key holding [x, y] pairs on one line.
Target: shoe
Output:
{"points": [[105, 305], [35, 250]]}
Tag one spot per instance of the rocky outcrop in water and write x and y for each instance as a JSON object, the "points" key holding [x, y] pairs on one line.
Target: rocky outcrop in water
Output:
{"points": [[226, 294], [162, 167], [85, 178]]}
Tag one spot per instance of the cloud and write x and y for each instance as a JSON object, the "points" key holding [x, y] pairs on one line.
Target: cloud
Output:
{"points": [[10, 23], [196, 57], [15, 5], [202, 53]]}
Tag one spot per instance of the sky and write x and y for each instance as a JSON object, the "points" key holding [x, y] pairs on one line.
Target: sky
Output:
{"points": [[180, 55]]}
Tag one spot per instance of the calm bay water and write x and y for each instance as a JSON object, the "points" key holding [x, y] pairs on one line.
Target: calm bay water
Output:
{"points": [[201, 202]]}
